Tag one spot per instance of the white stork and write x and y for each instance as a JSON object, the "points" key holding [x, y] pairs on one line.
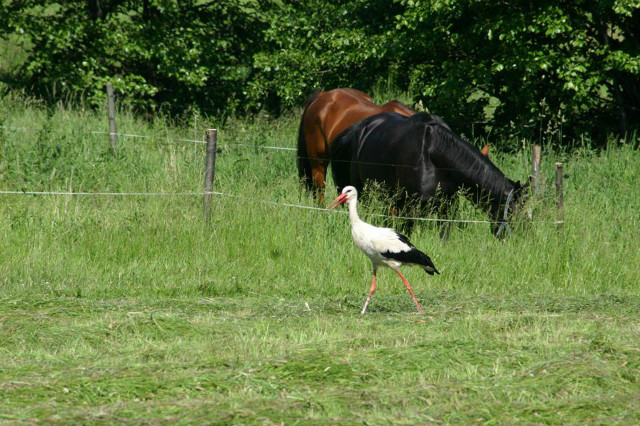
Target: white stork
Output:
{"points": [[384, 246]]}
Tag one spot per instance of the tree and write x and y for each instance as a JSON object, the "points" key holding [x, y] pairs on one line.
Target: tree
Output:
{"points": [[573, 64], [318, 44], [513, 66], [156, 52]]}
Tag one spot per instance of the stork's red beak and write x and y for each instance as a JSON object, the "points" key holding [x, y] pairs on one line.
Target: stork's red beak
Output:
{"points": [[335, 203]]}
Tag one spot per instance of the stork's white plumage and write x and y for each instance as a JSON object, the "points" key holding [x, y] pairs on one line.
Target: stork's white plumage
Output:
{"points": [[384, 246]]}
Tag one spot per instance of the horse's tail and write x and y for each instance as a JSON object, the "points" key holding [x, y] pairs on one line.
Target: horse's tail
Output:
{"points": [[304, 165]]}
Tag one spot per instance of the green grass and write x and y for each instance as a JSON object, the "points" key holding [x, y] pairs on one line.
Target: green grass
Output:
{"points": [[231, 360], [131, 310]]}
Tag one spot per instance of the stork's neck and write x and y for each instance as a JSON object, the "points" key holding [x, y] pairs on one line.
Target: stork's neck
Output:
{"points": [[353, 212]]}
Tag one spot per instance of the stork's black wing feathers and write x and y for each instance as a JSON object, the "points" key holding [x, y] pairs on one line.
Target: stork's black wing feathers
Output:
{"points": [[404, 239], [413, 255]]}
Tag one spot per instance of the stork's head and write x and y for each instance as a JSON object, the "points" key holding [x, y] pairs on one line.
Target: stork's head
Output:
{"points": [[349, 193]]}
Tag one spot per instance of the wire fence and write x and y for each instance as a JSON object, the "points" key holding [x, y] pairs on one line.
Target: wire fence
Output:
{"points": [[135, 136], [20, 129], [130, 135], [102, 132], [254, 146], [250, 199]]}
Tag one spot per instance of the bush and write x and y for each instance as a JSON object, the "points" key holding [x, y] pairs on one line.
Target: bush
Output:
{"points": [[556, 69]]}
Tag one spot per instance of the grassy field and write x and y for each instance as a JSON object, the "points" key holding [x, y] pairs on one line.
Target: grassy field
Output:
{"points": [[130, 310]]}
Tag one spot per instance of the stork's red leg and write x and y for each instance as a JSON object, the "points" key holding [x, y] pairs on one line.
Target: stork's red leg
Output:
{"points": [[373, 289], [406, 283]]}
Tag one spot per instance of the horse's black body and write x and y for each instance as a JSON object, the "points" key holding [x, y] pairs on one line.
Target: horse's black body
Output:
{"points": [[420, 157]]}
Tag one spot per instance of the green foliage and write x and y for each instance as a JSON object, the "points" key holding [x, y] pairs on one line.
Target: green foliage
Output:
{"points": [[547, 69], [156, 53], [319, 44], [553, 66]]}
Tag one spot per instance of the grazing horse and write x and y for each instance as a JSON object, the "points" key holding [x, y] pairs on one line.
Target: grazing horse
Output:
{"points": [[325, 116], [420, 157]]}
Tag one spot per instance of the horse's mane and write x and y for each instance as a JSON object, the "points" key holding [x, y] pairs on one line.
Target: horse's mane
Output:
{"points": [[449, 151]]}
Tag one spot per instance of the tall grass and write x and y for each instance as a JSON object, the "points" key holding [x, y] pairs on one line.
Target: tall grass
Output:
{"points": [[131, 309]]}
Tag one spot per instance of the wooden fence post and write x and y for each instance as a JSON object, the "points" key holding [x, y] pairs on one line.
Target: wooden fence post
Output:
{"points": [[535, 176], [535, 168], [560, 195], [113, 136], [211, 136]]}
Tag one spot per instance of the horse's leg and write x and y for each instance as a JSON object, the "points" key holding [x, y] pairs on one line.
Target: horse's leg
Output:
{"points": [[409, 224], [445, 212], [319, 174], [445, 230], [406, 225], [318, 159]]}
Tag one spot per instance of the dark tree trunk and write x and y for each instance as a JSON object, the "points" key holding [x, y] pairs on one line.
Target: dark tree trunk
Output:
{"points": [[149, 11], [95, 10]]}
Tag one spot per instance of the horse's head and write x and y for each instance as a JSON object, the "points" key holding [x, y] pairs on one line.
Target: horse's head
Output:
{"points": [[503, 210]]}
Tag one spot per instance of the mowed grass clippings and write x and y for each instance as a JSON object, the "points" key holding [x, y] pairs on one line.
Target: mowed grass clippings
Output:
{"points": [[219, 360], [132, 310]]}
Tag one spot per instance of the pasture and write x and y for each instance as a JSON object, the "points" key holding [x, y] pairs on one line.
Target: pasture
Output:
{"points": [[130, 310]]}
